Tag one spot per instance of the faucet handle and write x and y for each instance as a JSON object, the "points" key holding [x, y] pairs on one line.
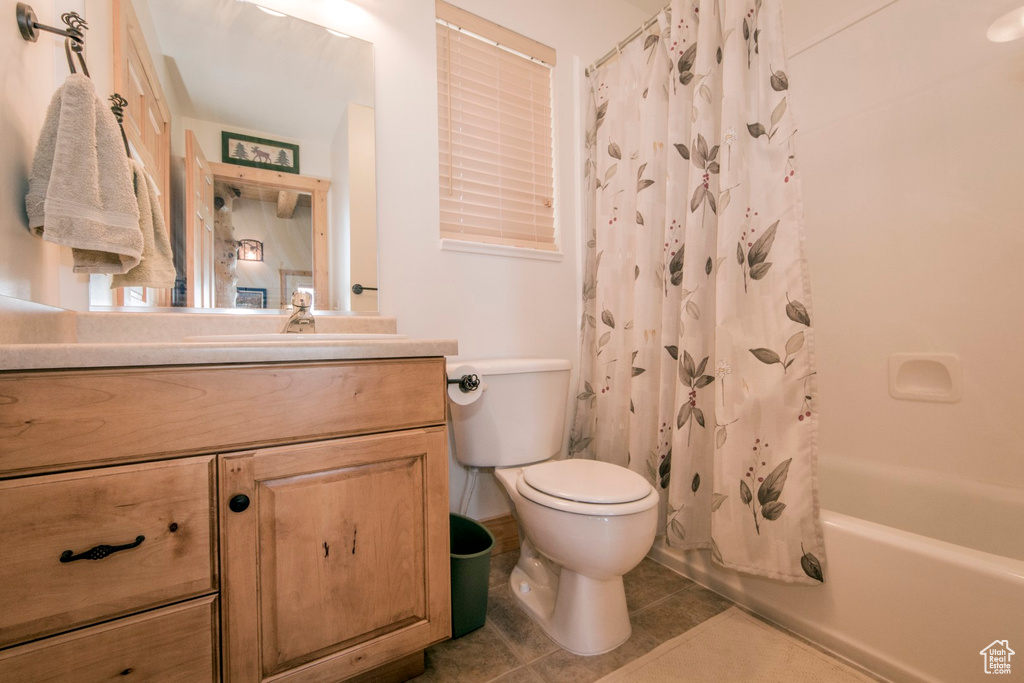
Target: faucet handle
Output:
{"points": [[302, 299]]}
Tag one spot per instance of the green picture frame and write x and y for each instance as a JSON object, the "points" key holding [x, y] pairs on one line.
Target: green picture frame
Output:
{"points": [[246, 150]]}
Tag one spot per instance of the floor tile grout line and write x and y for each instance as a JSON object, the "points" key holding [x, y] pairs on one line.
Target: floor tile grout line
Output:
{"points": [[663, 599], [536, 674], [509, 644], [508, 673], [508, 640]]}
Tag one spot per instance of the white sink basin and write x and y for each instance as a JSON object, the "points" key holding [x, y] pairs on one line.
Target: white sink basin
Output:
{"points": [[289, 338]]}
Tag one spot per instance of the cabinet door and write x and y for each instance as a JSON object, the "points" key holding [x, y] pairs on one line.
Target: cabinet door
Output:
{"points": [[339, 562]]}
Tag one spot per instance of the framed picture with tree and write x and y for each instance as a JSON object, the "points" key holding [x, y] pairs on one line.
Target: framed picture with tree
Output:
{"points": [[246, 150]]}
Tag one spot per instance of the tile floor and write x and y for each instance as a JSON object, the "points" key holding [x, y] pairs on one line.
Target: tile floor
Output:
{"points": [[511, 648]]}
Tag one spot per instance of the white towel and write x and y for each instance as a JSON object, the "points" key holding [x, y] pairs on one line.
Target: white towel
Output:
{"points": [[80, 191], [157, 267]]}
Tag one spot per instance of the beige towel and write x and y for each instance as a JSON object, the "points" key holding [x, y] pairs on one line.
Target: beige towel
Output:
{"points": [[80, 190], [157, 267]]}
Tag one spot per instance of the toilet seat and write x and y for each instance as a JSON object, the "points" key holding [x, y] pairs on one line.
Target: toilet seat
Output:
{"points": [[586, 487], [587, 481]]}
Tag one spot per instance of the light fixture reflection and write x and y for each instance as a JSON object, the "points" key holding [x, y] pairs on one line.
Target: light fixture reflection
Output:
{"points": [[1008, 27], [271, 12], [250, 250], [338, 33]]}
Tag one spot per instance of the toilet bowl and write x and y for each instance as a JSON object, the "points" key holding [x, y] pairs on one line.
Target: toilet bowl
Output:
{"points": [[583, 524], [573, 556]]}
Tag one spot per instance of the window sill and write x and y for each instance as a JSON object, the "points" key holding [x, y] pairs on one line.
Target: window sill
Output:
{"points": [[500, 250]]}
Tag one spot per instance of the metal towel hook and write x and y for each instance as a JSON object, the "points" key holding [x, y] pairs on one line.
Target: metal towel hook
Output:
{"points": [[117, 105], [74, 34], [74, 44]]}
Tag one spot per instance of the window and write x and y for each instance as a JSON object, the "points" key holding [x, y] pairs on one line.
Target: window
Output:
{"points": [[494, 127]]}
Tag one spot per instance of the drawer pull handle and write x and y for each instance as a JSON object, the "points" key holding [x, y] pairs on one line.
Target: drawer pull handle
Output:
{"points": [[100, 551]]}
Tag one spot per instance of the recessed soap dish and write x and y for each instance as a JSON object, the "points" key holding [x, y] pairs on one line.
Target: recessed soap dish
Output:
{"points": [[925, 377]]}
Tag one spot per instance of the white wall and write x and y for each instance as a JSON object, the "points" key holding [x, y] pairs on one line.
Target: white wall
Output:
{"points": [[362, 180], [910, 151], [314, 155], [493, 305], [340, 272], [353, 210], [30, 268]]}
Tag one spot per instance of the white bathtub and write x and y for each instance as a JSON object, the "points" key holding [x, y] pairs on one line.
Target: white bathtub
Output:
{"points": [[903, 605]]}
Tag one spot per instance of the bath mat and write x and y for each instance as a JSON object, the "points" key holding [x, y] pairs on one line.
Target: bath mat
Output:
{"points": [[734, 646]]}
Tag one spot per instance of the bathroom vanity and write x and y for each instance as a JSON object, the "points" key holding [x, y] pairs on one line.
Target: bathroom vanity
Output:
{"points": [[240, 521]]}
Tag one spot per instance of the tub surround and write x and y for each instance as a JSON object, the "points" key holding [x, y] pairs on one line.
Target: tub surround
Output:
{"points": [[973, 514], [907, 607]]}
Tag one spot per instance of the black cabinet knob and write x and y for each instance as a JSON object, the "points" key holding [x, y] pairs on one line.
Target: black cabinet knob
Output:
{"points": [[239, 503]]}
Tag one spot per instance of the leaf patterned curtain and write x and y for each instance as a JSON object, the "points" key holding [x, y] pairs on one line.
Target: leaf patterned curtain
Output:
{"points": [[697, 365]]}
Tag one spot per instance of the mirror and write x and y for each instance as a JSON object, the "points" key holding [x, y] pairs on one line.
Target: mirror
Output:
{"points": [[272, 185], [275, 256]]}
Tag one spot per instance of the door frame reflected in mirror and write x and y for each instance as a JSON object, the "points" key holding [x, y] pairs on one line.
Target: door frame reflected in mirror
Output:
{"points": [[317, 189]]}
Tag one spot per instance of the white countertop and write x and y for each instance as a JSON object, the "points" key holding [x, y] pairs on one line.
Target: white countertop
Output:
{"points": [[108, 355], [35, 337]]}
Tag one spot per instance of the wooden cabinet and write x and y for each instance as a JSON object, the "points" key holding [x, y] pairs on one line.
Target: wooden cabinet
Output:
{"points": [[340, 558], [292, 517], [161, 514], [54, 421], [176, 643]]}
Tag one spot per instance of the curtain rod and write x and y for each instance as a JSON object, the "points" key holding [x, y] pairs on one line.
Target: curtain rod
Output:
{"points": [[628, 39]]}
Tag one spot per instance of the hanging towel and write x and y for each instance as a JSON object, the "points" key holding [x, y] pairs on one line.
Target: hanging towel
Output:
{"points": [[157, 267], [80, 190]]}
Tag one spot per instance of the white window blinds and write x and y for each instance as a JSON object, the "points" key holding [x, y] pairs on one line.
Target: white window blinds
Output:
{"points": [[494, 126]]}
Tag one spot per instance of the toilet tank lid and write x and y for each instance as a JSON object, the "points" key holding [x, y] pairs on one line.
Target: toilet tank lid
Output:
{"points": [[512, 366], [587, 481]]}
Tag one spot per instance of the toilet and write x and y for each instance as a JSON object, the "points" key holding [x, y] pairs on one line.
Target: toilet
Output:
{"points": [[582, 524]]}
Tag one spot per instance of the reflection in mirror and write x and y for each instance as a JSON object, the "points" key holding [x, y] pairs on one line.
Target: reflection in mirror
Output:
{"points": [[226, 66], [274, 230]]}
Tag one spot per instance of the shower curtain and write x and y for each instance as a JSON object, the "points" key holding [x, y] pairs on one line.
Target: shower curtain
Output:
{"points": [[697, 363]]}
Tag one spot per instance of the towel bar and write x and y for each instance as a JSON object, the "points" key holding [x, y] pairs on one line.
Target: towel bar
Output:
{"points": [[74, 43]]}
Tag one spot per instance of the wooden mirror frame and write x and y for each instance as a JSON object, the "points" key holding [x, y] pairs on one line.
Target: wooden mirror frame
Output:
{"points": [[317, 188]]}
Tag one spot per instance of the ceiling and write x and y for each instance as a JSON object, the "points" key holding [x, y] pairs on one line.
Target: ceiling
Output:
{"points": [[232, 63], [256, 192]]}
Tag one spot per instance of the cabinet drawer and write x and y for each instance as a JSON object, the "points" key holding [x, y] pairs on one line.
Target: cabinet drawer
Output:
{"points": [[169, 503], [61, 420], [176, 643]]}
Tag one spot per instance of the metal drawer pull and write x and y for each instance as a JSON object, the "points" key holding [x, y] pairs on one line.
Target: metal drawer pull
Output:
{"points": [[100, 551]]}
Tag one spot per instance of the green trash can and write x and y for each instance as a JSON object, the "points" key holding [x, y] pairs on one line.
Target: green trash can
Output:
{"points": [[471, 545]]}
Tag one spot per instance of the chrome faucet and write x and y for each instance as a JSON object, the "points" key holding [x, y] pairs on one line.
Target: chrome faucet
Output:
{"points": [[302, 321]]}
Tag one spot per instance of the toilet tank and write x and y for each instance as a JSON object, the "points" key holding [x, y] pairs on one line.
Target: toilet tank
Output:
{"points": [[520, 416]]}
